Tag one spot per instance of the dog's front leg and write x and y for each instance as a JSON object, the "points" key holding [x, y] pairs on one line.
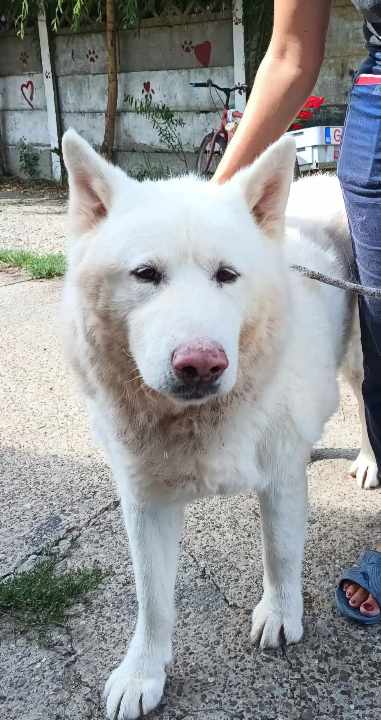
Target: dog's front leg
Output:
{"points": [[283, 510], [137, 684]]}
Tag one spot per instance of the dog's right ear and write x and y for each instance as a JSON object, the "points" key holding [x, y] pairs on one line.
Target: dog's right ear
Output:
{"points": [[93, 183]]}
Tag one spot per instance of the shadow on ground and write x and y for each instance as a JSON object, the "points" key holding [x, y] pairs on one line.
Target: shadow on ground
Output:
{"points": [[334, 454]]}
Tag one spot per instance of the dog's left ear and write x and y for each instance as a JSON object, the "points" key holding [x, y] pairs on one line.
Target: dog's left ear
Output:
{"points": [[266, 185]]}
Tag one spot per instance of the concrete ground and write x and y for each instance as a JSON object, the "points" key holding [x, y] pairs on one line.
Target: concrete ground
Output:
{"points": [[55, 488], [32, 217]]}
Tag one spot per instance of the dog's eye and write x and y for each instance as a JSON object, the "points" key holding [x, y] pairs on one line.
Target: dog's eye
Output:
{"points": [[148, 274], [226, 275]]}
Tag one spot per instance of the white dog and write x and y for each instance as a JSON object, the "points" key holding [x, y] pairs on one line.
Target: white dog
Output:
{"points": [[208, 366]]}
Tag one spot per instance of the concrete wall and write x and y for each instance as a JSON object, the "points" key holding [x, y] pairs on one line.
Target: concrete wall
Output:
{"points": [[345, 49], [22, 100], [160, 61]]}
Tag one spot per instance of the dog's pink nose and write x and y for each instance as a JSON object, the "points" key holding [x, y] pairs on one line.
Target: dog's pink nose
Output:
{"points": [[199, 361]]}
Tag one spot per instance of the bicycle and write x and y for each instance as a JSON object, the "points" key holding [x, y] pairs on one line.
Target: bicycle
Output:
{"points": [[215, 142]]}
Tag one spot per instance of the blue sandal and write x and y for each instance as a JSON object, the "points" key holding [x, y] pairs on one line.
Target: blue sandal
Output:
{"points": [[367, 574]]}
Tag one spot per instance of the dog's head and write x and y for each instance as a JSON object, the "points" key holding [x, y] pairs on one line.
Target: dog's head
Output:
{"points": [[188, 267]]}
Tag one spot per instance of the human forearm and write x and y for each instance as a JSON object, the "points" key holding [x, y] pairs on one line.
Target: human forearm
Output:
{"points": [[279, 92], [283, 82]]}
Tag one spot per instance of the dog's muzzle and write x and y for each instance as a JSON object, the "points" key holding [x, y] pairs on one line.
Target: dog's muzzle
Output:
{"points": [[196, 369]]}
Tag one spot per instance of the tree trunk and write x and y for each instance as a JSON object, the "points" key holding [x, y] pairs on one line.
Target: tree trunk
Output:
{"points": [[112, 81], [258, 24]]}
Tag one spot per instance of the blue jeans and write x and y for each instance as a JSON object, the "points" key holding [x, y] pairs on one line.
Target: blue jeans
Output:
{"points": [[359, 173]]}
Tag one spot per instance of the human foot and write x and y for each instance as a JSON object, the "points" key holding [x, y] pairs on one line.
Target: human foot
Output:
{"points": [[360, 598]]}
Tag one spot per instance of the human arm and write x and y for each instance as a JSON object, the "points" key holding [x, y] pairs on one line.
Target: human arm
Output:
{"points": [[284, 80]]}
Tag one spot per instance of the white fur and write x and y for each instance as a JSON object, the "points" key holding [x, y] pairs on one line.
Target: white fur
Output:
{"points": [[285, 338]]}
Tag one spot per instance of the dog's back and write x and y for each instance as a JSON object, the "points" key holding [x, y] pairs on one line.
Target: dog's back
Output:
{"points": [[316, 209]]}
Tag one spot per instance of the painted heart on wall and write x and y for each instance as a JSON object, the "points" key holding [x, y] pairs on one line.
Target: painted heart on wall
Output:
{"points": [[203, 52], [27, 91]]}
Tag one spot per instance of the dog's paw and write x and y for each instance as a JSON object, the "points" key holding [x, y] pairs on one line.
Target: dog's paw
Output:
{"points": [[271, 620], [365, 470], [131, 694]]}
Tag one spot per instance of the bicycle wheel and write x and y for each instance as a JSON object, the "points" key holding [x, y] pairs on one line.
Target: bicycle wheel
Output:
{"points": [[207, 163]]}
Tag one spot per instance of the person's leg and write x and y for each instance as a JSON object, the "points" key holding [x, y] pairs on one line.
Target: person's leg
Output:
{"points": [[360, 177]]}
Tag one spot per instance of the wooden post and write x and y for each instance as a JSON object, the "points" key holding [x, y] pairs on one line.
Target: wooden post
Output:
{"points": [[239, 52], [51, 97]]}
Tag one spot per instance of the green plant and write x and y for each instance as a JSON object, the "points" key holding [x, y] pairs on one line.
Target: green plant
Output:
{"points": [[164, 121], [38, 266], [29, 158], [42, 595], [78, 13]]}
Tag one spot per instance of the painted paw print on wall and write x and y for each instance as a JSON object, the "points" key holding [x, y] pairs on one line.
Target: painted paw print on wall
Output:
{"points": [[187, 46], [202, 51], [24, 57], [91, 56], [148, 90]]}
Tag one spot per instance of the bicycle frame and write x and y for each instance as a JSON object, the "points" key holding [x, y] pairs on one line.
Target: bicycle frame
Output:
{"points": [[226, 117], [223, 132]]}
